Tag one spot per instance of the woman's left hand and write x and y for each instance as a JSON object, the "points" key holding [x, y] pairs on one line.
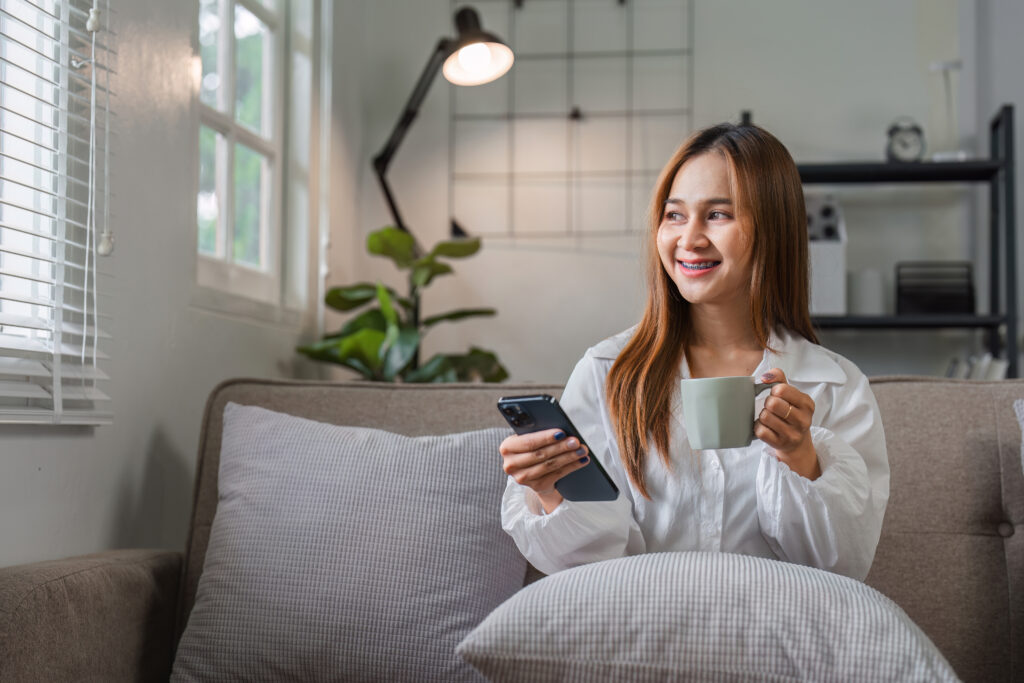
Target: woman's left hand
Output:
{"points": [[785, 425]]}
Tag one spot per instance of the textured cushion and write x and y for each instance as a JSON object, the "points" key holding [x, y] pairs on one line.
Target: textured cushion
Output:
{"points": [[701, 616], [347, 553]]}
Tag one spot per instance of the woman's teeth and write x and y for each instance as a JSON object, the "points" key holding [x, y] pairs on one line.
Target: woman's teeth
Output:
{"points": [[699, 266]]}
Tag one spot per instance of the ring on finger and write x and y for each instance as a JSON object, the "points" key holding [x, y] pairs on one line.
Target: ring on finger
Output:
{"points": [[786, 416]]}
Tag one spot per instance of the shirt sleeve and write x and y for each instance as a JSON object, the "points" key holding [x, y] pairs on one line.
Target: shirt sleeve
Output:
{"points": [[833, 522], [576, 533]]}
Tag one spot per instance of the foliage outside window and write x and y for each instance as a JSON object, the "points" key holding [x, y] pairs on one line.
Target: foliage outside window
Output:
{"points": [[238, 206]]}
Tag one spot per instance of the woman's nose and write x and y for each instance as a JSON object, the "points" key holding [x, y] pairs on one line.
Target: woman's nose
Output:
{"points": [[692, 236]]}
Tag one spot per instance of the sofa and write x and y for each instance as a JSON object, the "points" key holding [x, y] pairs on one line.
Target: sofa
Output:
{"points": [[951, 554]]}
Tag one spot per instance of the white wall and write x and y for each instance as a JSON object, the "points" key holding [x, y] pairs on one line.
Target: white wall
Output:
{"points": [[828, 78], [65, 491]]}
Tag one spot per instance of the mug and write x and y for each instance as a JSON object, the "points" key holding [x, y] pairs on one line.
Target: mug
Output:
{"points": [[719, 411]]}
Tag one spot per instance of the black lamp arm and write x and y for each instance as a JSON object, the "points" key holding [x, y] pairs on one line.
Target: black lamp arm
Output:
{"points": [[381, 162]]}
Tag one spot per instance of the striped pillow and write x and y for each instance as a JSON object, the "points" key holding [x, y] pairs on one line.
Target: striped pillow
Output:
{"points": [[701, 616]]}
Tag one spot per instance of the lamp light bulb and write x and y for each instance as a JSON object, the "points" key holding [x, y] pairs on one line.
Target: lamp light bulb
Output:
{"points": [[475, 58]]}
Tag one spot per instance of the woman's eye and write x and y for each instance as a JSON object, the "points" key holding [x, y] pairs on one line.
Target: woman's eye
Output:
{"points": [[717, 215], [673, 216]]}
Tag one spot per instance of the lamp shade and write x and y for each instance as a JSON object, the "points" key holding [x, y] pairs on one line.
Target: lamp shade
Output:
{"points": [[477, 56]]}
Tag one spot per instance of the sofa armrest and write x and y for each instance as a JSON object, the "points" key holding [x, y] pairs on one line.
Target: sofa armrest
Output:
{"points": [[102, 617]]}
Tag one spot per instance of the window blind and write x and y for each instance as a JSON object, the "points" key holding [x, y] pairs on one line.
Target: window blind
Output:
{"points": [[55, 129]]}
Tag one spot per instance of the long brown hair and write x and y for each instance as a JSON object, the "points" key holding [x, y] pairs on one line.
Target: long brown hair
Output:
{"points": [[769, 193]]}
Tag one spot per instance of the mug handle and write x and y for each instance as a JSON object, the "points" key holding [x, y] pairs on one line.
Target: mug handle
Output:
{"points": [[759, 387]]}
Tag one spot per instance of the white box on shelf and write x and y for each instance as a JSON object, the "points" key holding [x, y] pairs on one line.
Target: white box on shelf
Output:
{"points": [[826, 229]]}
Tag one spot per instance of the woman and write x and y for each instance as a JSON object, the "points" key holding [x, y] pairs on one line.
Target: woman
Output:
{"points": [[727, 295]]}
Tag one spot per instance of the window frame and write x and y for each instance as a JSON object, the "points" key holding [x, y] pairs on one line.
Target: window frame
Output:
{"points": [[221, 283]]}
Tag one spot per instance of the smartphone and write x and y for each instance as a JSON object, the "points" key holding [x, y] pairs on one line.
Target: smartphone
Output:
{"points": [[526, 414]]}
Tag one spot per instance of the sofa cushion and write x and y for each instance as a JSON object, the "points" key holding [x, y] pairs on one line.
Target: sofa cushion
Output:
{"points": [[1018, 408], [700, 616], [347, 553]]}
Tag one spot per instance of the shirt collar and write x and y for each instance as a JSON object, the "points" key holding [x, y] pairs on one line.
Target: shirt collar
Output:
{"points": [[801, 360]]}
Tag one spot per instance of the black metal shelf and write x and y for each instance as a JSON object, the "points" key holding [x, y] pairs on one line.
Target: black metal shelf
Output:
{"points": [[975, 170], [998, 172], [908, 321]]}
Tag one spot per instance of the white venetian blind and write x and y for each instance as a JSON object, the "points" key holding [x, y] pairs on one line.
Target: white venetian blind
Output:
{"points": [[55, 126]]}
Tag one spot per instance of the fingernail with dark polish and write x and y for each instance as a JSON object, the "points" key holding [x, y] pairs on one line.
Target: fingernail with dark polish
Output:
{"points": [[583, 459], [559, 436], [580, 451]]}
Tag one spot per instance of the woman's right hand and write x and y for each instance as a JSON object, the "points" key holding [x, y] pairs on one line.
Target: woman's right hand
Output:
{"points": [[540, 459]]}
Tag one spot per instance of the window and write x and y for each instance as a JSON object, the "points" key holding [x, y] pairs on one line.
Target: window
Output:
{"points": [[251, 54], [54, 126]]}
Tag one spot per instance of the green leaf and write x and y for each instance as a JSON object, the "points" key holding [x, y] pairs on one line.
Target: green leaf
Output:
{"points": [[359, 350], [437, 369], [372, 319], [426, 269], [352, 296], [460, 248], [396, 244], [386, 307], [458, 315], [478, 364], [400, 352]]}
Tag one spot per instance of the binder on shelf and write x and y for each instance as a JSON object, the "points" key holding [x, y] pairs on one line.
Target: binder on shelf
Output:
{"points": [[934, 287]]}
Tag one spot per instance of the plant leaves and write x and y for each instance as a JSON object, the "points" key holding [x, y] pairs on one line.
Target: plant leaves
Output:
{"points": [[460, 248], [400, 352], [478, 365], [386, 307], [437, 369], [352, 296], [359, 350], [458, 315], [396, 244], [372, 319], [426, 269]]}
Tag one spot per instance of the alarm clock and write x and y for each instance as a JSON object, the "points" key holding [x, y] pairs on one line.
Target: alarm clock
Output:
{"points": [[906, 141]]}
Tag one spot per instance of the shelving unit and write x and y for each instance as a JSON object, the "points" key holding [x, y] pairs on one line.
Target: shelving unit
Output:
{"points": [[998, 172]]}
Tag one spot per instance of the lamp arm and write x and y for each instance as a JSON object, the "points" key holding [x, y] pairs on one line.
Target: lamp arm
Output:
{"points": [[383, 158]]}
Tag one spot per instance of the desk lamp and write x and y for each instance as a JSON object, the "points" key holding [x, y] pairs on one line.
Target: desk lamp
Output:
{"points": [[474, 57]]}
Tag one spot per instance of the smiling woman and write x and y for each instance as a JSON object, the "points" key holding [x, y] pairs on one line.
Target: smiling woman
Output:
{"points": [[727, 298]]}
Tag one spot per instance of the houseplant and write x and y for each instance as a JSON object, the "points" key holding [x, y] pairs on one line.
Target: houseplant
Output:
{"points": [[382, 342]]}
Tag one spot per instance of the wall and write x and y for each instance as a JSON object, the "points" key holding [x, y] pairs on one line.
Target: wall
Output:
{"points": [[65, 491], [828, 78]]}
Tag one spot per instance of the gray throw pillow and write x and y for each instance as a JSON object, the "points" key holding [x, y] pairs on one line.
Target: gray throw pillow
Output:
{"points": [[344, 553], [701, 617]]}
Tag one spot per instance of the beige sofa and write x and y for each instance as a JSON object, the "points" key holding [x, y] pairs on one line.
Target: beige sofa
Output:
{"points": [[951, 553]]}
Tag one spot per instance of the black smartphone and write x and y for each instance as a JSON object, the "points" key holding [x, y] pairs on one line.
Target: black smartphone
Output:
{"points": [[526, 414]]}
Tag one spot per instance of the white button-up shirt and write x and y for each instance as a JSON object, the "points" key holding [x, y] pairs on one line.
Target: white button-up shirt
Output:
{"points": [[738, 500]]}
